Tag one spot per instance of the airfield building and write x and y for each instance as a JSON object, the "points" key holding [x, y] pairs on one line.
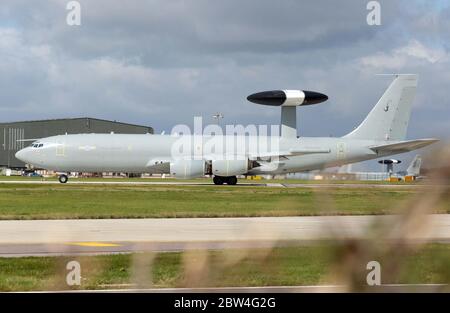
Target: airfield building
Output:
{"points": [[11, 134]]}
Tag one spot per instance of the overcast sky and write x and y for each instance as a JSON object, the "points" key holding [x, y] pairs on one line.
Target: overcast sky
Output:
{"points": [[162, 62]]}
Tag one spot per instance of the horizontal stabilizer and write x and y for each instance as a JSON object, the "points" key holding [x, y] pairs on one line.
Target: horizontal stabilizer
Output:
{"points": [[403, 146]]}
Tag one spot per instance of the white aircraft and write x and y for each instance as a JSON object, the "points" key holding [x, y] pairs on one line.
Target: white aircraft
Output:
{"points": [[382, 133], [412, 170]]}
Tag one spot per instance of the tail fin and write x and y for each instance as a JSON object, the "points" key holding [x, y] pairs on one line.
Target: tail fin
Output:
{"points": [[389, 119], [414, 167]]}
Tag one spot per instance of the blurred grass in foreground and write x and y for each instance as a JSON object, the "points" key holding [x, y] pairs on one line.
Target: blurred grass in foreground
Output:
{"points": [[300, 265]]}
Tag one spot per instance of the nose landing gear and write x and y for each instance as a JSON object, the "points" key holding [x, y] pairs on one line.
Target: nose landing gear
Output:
{"points": [[63, 178], [220, 180]]}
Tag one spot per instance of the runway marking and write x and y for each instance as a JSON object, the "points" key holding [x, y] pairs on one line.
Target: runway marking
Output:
{"points": [[94, 244]]}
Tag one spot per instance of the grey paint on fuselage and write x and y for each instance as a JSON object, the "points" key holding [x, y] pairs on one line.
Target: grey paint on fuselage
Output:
{"points": [[139, 153]]}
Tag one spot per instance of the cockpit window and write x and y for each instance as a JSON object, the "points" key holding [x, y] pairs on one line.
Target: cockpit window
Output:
{"points": [[37, 145]]}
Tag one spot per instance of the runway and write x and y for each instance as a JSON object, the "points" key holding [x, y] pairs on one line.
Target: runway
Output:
{"points": [[60, 237], [241, 183]]}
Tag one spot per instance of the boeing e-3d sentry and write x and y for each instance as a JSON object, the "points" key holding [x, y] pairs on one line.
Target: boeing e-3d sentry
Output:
{"points": [[382, 133], [412, 170]]}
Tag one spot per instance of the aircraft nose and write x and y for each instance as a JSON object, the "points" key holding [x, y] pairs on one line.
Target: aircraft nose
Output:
{"points": [[22, 155]]}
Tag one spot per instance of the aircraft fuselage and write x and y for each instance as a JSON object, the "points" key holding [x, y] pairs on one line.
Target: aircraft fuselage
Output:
{"points": [[140, 153]]}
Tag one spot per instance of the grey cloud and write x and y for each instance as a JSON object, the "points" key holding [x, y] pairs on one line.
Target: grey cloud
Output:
{"points": [[162, 62], [152, 30]]}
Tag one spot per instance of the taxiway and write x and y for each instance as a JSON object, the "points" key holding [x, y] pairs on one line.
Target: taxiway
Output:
{"points": [[89, 236]]}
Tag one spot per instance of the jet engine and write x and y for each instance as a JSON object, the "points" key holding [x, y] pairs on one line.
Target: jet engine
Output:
{"points": [[226, 168], [186, 169]]}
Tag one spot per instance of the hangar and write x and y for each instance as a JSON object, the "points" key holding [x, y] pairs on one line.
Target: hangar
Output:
{"points": [[12, 133]]}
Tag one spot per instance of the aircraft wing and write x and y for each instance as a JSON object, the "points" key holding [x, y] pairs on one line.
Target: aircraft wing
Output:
{"points": [[403, 146], [289, 153]]}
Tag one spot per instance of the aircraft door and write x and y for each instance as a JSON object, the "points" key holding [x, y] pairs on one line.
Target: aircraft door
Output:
{"points": [[60, 149], [341, 151]]}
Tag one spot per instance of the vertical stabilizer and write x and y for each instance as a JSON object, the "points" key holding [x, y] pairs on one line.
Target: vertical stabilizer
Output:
{"points": [[414, 167], [389, 118]]}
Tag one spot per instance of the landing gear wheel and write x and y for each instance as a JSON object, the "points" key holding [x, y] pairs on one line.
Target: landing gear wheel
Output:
{"points": [[218, 180], [232, 180], [63, 178]]}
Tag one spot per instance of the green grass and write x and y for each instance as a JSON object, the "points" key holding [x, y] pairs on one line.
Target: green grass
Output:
{"points": [[32, 201], [301, 265]]}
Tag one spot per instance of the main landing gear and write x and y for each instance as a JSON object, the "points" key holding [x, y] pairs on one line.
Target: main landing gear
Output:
{"points": [[63, 178], [220, 180]]}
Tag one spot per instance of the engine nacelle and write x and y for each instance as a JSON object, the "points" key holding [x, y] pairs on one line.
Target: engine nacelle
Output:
{"points": [[230, 167], [186, 169]]}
